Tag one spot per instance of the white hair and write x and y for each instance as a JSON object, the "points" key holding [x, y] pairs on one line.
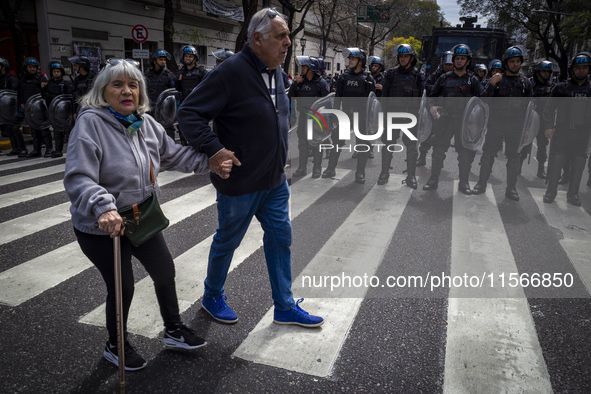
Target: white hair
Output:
{"points": [[95, 98], [262, 23]]}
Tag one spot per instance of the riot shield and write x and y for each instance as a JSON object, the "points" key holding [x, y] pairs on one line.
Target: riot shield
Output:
{"points": [[61, 113], [166, 107], [8, 106], [373, 111], [320, 127], [474, 124], [531, 126], [36, 112], [425, 121]]}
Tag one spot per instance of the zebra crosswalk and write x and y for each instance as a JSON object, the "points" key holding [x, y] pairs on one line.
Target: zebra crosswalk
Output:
{"points": [[492, 340]]}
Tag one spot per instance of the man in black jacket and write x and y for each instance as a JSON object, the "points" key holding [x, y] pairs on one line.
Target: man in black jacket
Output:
{"points": [[10, 82], [245, 97], [158, 79], [57, 86]]}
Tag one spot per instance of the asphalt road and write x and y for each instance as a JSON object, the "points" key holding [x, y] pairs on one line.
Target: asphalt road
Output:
{"points": [[406, 338]]}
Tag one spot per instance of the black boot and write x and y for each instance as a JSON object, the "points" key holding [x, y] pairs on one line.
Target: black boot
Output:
{"points": [[360, 170], [541, 171], [317, 160], [576, 174], [333, 159], [20, 142], [465, 159], [36, 152], [486, 164], [385, 173], [437, 159], [303, 152], [14, 150], [411, 166], [555, 164], [513, 164], [59, 144], [47, 141]]}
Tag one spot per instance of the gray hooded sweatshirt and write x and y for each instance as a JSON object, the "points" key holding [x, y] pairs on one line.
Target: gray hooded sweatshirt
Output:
{"points": [[107, 168]]}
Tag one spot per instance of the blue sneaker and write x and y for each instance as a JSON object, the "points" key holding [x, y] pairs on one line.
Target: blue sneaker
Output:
{"points": [[218, 309], [297, 316]]}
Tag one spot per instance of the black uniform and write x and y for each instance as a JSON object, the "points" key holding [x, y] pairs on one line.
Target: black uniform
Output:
{"points": [[53, 89], [451, 92], [380, 79], [81, 86], [10, 82], [541, 91], [401, 82], [189, 81], [30, 85], [571, 102], [307, 92], [505, 124], [158, 81], [426, 145], [350, 84]]}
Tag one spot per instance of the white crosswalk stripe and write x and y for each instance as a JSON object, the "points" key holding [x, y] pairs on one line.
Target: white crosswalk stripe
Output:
{"points": [[33, 174]]}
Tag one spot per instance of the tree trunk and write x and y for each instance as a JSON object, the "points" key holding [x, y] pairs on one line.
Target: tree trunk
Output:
{"points": [[249, 8], [168, 30]]}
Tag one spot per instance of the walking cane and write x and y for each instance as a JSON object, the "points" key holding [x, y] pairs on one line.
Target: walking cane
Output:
{"points": [[119, 312]]}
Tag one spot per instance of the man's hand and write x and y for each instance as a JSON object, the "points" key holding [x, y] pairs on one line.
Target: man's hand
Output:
{"points": [[433, 112], [221, 163], [379, 86], [549, 133], [495, 79], [298, 79]]}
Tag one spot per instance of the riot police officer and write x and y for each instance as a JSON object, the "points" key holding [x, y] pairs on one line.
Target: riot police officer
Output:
{"points": [[57, 86], [402, 81], [541, 85], [480, 71], [158, 79], [377, 67], [570, 135], [189, 76], [506, 121], [447, 101], [445, 65], [10, 82], [353, 82], [84, 77], [306, 87], [220, 55], [31, 83], [495, 67]]}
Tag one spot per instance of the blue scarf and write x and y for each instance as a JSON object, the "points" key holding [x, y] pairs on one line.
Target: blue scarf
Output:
{"points": [[132, 122]]}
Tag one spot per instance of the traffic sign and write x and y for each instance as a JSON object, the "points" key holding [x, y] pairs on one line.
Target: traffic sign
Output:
{"points": [[139, 33], [140, 53], [373, 13]]}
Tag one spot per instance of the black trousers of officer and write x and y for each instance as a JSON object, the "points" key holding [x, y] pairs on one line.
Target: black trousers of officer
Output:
{"points": [[509, 131], [542, 142], [443, 130], [304, 146], [412, 153], [568, 145], [17, 140], [40, 137]]}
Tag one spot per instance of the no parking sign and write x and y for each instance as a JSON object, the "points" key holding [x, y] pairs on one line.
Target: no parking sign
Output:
{"points": [[139, 33]]}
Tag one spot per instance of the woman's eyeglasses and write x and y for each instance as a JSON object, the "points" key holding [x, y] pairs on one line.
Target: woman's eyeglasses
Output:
{"points": [[113, 61]]}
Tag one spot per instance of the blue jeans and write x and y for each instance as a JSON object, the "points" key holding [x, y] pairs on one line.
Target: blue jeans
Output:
{"points": [[271, 208]]}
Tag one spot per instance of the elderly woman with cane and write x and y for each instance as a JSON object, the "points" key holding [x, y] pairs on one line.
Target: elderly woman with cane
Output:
{"points": [[115, 152]]}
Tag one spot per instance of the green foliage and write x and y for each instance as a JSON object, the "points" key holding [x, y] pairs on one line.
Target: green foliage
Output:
{"points": [[390, 45]]}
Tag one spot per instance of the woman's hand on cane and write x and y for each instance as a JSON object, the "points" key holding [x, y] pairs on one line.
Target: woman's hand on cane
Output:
{"points": [[111, 223]]}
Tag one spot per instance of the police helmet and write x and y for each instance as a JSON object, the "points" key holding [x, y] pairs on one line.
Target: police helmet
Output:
{"points": [[580, 59], [321, 64], [514, 51], [188, 50], [160, 53], [544, 65], [222, 54], [357, 53], [377, 60], [480, 67], [405, 49], [310, 62], [56, 65], [447, 58], [495, 63], [82, 61], [4, 62], [30, 61], [461, 50]]}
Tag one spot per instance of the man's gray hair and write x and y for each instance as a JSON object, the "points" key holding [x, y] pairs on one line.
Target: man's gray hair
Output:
{"points": [[95, 98], [262, 23]]}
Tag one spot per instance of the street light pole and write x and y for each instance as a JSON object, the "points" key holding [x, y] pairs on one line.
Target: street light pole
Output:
{"points": [[303, 44]]}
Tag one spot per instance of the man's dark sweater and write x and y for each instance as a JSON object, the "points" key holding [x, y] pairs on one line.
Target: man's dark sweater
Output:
{"points": [[236, 97]]}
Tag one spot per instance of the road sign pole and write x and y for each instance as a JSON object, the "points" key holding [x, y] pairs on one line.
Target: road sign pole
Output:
{"points": [[142, 60]]}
